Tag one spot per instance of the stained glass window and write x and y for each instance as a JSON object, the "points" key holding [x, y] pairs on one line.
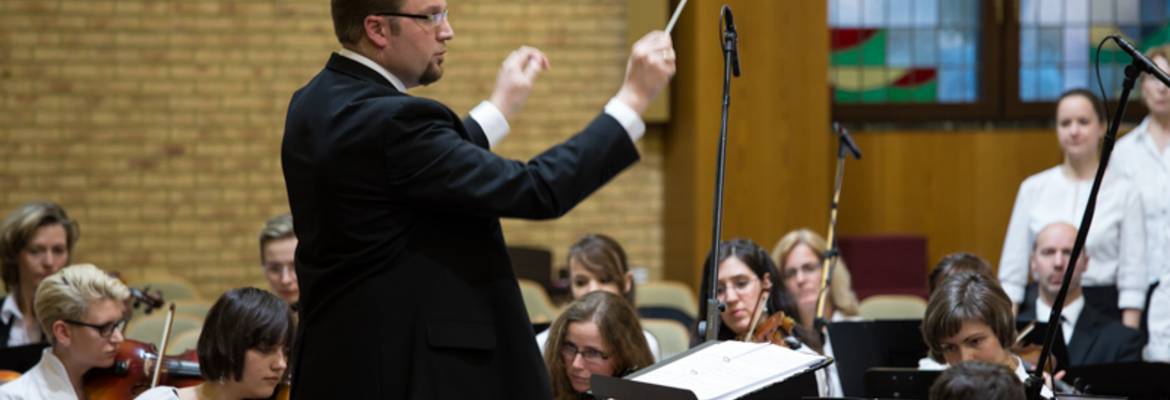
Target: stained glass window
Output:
{"points": [[904, 51], [1058, 41]]}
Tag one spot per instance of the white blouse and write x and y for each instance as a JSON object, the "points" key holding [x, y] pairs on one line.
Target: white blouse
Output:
{"points": [[1137, 157], [1116, 241]]}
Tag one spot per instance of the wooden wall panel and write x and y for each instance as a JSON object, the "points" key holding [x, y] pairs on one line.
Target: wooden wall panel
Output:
{"points": [[956, 188], [778, 146]]}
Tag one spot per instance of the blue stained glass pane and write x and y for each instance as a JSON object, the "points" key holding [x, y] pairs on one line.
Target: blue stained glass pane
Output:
{"points": [[925, 13], [1028, 12], [925, 47], [1028, 83], [1029, 37], [952, 46], [1050, 45], [874, 14], [1101, 11], [1049, 82], [899, 13], [1076, 12], [951, 13], [833, 7], [972, 78], [1076, 40], [848, 14], [952, 87], [1075, 77], [970, 45], [1050, 13], [1128, 12], [900, 47]]}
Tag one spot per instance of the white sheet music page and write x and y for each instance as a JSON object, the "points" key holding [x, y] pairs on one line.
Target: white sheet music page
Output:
{"points": [[731, 369]]}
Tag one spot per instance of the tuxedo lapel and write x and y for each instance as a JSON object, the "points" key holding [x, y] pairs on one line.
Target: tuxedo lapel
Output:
{"points": [[1085, 335]]}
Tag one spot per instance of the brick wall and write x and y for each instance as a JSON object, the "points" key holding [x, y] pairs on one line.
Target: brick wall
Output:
{"points": [[157, 123]]}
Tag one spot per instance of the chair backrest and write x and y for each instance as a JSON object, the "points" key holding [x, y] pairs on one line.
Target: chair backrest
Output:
{"points": [[172, 287], [885, 264], [892, 306], [668, 294], [673, 337], [188, 340], [194, 308], [532, 263], [536, 301], [149, 329]]}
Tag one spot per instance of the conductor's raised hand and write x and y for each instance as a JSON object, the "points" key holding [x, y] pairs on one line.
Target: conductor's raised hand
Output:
{"points": [[516, 78], [649, 69]]}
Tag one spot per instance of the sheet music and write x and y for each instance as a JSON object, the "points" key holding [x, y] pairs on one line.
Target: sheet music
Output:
{"points": [[731, 369]]}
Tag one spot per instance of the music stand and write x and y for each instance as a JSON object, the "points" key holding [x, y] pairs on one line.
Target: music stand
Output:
{"points": [[899, 383], [1135, 380], [796, 387], [861, 345]]}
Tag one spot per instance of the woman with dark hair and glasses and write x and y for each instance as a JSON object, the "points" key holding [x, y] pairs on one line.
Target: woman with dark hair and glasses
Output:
{"points": [[82, 311], [243, 349], [598, 333]]}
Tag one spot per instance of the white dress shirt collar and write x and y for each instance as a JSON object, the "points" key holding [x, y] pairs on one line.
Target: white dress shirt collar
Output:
{"points": [[1069, 315], [363, 60]]}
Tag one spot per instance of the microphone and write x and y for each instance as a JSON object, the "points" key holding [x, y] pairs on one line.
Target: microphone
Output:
{"points": [[730, 35], [1142, 61], [847, 141]]}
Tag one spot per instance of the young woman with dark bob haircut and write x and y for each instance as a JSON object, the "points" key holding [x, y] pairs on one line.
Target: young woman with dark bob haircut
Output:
{"points": [[243, 349]]}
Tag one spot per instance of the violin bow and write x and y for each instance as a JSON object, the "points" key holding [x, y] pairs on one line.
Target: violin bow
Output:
{"points": [[162, 348]]}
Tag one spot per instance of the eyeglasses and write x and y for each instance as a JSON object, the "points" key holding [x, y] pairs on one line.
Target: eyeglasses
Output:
{"points": [[740, 284], [591, 355], [430, 21], [105, 330]]}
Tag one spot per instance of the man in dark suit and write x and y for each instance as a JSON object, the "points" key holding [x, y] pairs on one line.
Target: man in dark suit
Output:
{"points": [[406, 286], [1092, 337]]}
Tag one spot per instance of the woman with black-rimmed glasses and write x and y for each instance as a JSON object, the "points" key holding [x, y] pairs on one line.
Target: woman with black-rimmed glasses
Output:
{"points": [[82, 310]]}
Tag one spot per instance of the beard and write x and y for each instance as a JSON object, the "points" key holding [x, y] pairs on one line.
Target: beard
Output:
{"points": [[432, 74]]}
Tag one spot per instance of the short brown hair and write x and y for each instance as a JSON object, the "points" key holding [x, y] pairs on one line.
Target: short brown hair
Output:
{"points": [[242, 319], [20, 226], [955, 262], [349, 16], [604, 258], [973, 380], [967, 296], [619, 327], [278, 227]]}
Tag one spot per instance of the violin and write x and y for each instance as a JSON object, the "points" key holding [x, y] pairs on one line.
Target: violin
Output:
{"points": [[777, 329], [132, 371]]}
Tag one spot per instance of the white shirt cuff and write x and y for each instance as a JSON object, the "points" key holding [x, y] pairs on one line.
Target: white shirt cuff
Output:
{"points": [[627, 117], [494, 125], [1135, 299]]}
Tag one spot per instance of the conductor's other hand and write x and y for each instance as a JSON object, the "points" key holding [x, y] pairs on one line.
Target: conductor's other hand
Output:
{"points": [[516, 78], [649, 69]]}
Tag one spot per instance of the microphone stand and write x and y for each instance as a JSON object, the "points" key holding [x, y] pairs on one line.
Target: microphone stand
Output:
{"points": [[1135, 68], [844, 142], [730, 44]]}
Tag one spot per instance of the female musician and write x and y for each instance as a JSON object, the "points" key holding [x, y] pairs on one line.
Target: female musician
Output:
{"points": [[1116, 284], [800, 256], [278, 244], [969, 318], [36, 240], [598, 333], [83, 311], [947, 266], [598, 262], [242, 348]]}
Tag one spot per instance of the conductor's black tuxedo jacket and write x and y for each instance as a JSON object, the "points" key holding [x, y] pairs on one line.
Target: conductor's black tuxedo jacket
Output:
{"points": [[406, 286]]}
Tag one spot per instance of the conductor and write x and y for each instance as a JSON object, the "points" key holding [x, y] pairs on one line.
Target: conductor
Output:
{"points": [[406, 286]]}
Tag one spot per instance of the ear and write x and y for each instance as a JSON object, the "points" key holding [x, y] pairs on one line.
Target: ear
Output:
{"points": [[61, 333], [629, 282], [767, 281], [377, 30]]}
